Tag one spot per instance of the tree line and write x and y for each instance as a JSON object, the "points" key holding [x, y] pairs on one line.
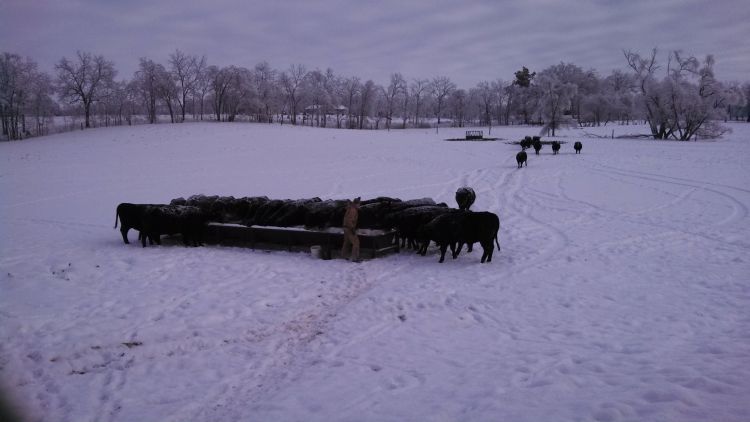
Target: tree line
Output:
{"points": [[678, 97]]}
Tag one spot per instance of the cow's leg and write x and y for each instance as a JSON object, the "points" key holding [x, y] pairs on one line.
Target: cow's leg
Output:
{"points": [[487, 251], [453, 250], [443, 248], [457, 251], [124, 231]]}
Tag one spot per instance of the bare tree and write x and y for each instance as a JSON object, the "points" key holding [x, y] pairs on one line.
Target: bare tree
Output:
{"points": [[82, 80], [405, 104], [459, 101], [486, 95], [202, 88], [185, 71], [419, 89], [219, 81], [351, 88], [440, 88], [146, 83], [395, 88], [167, 90]]}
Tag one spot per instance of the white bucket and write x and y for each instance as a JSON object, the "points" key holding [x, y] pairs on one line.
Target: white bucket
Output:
{"points": [[315, 251]]}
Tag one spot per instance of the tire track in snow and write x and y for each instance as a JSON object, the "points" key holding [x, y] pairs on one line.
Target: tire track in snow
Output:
{"points": [[739, 209]]}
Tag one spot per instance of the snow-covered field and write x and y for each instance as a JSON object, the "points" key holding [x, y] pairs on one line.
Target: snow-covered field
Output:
{"points": [[621, 293]]}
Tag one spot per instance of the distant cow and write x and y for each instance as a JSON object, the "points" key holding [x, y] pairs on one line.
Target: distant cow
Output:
{"points": [[521, 159], [526, 142], [537, 145], [188, 221], [465, 197], [578, 146], [555, 147]]}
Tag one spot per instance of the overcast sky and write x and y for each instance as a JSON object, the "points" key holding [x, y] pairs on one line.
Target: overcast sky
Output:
{"points": [[468, 41]]}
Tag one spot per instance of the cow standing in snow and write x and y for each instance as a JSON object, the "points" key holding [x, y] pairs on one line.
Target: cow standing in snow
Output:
{"points": [[521, 159]]}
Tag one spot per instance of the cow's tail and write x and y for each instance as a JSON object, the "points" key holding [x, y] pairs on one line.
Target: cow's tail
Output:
{"points": [[496, 242], [116, 215]]}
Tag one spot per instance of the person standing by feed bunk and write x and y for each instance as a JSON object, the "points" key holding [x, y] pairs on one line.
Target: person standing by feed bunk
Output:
{"points": [[350, 230]]}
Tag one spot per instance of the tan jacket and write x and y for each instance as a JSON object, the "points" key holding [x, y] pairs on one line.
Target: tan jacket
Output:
{"points": [[352, 215]]}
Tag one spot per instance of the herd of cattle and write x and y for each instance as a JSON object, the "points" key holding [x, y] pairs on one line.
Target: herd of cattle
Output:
{"points": [[417, 222], [536, 142]]}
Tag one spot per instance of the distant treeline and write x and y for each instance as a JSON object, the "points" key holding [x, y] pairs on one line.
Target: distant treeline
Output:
{"points": [[679, 98]]}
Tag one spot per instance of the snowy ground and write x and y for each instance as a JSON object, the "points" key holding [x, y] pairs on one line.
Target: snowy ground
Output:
{"points": [[621, 292]]}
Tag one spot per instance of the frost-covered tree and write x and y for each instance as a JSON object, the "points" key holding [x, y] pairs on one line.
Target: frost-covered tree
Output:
{"points": [[620, 87], [685, 102], [266, 89], [487, 97], [291, 82], [240, 92], [555, 98], [83, 79], [40, 105], [523, 94], [23, 90], [367, 97], [319, 95]]}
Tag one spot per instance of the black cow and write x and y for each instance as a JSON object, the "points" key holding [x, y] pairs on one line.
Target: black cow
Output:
{"points": [[480, 227], [409, 222], [578, 146], [521, 159], [537, 145], [555, 147], [465, 197], [464, 227], [131, 217], [325, 213], [372, 212], [189, 221], [444, 231], [526, 142]]}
